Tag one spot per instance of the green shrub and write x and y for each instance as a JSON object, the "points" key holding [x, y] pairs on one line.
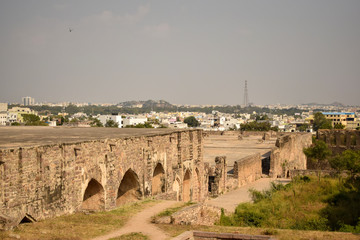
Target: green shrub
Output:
{"points": [[304, 204]]}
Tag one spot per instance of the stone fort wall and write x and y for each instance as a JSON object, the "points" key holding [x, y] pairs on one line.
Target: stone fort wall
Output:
{"points": [[340, 139], [288, 154], [46, 181]]}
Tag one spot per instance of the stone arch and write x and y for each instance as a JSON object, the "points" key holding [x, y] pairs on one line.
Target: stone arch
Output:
{"points": [[196, 186], [176, 188], [186, 186], [158, 180], [93, 196], [129, 189]]}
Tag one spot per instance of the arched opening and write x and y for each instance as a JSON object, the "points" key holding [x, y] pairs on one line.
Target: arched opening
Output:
{"points": [[186, 186], [129, 189], [158, 180], [176, 188], [93, 197], [196, 186]]}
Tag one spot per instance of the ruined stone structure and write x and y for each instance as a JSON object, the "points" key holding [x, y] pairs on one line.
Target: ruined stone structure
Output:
{"points": [[218, 177], [276, 161], [247, 169], [50, 177], [288, 154], [340, 139]]}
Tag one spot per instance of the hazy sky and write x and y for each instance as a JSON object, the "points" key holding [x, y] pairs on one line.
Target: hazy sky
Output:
{"points": [[190, 52]]}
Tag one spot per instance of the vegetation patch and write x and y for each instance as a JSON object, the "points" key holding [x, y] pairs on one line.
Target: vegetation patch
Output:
{"points": [[280, 234], [303, 204], [131, 236], [170, 211], [78, 225]]}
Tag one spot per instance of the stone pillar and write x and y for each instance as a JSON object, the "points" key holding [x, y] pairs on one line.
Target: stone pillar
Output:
{"points": [[220, 173]]}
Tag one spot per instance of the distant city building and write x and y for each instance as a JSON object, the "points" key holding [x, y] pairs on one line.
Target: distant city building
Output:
{"points": [[133, 121], [6, 117], [3, 118], [340, 117], [116, 118], [3, 107], [19, 111], [28, 101], [11, 117], [353, 125]]}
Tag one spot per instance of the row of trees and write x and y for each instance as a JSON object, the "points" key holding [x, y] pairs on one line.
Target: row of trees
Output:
{"points": [[257, 126]]}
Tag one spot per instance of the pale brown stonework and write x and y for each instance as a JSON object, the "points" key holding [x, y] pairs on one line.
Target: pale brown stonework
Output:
{"points": [[51, 179]]}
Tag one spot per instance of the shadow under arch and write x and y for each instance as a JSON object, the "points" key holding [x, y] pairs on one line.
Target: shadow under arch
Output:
{"points": [[129, 189], [93, 198], [186, 186], [196, 185], [158, 180]]}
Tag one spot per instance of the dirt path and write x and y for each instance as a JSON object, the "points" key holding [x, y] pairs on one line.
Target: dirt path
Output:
{"points": [[230, 200], [141, 223]]}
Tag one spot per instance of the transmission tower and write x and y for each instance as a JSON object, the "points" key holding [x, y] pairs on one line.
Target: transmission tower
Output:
{"points": [[246, 97]]}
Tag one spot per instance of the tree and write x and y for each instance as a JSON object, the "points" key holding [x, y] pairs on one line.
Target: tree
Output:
{"points": [[111, 123], [191, 121], [347, 160], [343, 209], [261, 117], [96, 123], [140, 125], [320, 122], [303, 127], [318, 153], [257, 126], [33, 120]]}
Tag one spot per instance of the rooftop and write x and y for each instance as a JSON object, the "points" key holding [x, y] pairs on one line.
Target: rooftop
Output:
{"points": [[338, 113], [15, 137]]}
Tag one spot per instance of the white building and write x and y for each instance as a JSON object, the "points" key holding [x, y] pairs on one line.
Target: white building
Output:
{"points": [[132, 121], [116, 118], [3, 118], [12, 117]]}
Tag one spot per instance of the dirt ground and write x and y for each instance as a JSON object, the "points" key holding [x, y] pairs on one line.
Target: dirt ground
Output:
{"points": [[141, 223]]}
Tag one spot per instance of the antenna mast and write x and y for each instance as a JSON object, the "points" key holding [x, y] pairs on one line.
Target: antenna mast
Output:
{"points": [[246, 97]]}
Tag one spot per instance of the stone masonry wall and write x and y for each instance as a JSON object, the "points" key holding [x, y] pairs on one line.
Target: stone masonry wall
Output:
{"points": [[248, 169], [288, 154], [48, 181], [340, 139]]}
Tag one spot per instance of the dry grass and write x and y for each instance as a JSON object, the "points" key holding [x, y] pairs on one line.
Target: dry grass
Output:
{"points": [[77, 226], [131, 236], [280, 234], [178, 206]]}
